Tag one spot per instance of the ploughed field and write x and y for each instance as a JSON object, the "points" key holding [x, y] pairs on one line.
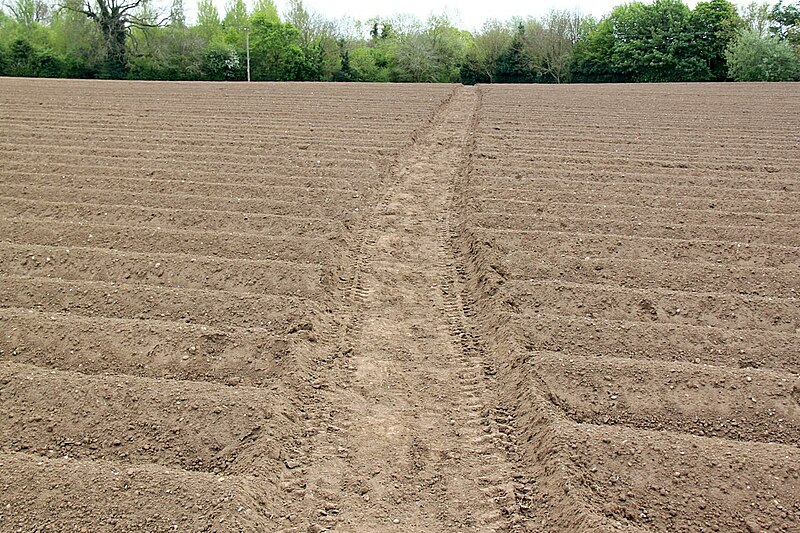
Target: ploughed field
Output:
{"points": [[636, 253], [192, 276], [172, 261]]}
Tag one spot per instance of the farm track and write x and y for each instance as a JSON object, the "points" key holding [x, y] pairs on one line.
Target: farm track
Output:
{"points": [[412, 436], [354, 307]]}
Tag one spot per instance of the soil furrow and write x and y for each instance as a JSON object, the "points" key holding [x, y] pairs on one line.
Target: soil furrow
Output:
{"points": [[646, 339], [161, 217], [730, 178], [642, 229], [617, 210], [687, 276], [746, 405], [758, 234], [223, 244], [153, 269], [103, 299], [697, 218], [108, 195], [151, 348], [189, 425], [640, 195], [70, 494], [562, 243], [267, 185], [600, 301]]}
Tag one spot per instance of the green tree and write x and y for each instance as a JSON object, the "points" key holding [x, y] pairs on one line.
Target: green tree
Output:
{"points": [[22, 58], [318, 40], [268, 9], [380, 51], [28, 12], [756, 57], [716, 24], [236, 17], [488, 47], [115, 19], [757, 16], [4, 70], [449, 47], [177, 16], [4, 22], [25, 59], [275, 50], [548, 45], [786, 21], [169, 53], [234, 23], [434, 53], [655, 43], [513, 65], [209, 25], [414, 59], [77, 40], [594, 53], [48, 64], [367, 64]]}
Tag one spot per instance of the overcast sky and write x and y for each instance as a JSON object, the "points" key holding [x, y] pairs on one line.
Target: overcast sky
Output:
{"points": [[467, 15]]}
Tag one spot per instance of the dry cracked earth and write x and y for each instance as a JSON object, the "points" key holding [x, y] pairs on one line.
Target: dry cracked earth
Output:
{"points": [[353, 307]]}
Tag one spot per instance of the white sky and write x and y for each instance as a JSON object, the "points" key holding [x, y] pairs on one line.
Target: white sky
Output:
{"points": [[466, 15]]}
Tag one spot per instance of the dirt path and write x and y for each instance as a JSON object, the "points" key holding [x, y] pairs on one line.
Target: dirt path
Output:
{"points": [[420, 443]]}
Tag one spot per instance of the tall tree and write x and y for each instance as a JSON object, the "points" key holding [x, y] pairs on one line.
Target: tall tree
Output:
{"points": [[177, 15], [235, 15], [28, 12], [4, 70], [715, 24], [655, 42], [115, 19], [448, 46], [414, 59], [593, 60], [549, 44], [233, 25], [786, 21], [757, 17], [275, 50], [266, 8], [77, 39], [513, 65], [488, 47], [208, 21], [318, 40]]}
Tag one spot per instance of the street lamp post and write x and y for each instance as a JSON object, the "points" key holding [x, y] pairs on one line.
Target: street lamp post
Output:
{"points": [[247, 40]]}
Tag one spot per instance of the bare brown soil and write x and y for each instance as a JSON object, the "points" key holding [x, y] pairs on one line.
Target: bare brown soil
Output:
{"points": [[311, 307], [634, 254]]}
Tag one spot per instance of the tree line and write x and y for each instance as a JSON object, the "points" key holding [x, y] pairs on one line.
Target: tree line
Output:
{"points": [[661, 41]]}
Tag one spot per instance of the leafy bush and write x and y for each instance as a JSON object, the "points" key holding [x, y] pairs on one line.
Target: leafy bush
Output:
{"points": [[756, 57], [3, 61], [221, 62], [22, 58], [48, 64]]}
